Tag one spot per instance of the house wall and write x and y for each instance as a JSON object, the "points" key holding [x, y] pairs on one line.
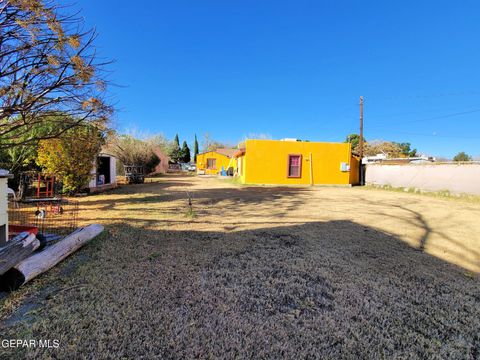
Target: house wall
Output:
{"points": [[221, 160], [354, 170], [456, 178], [161, 168], [241, 166], [113, 170], [267, 162]]}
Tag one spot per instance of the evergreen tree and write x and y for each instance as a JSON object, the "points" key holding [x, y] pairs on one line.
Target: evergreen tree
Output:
{"points": [[176, 153], [407, 151], [462, 156], [185, 153], [354, 139], [195, 149]]}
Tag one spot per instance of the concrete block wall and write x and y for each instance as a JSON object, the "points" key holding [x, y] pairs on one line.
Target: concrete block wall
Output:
{"points": [[456, 178]]}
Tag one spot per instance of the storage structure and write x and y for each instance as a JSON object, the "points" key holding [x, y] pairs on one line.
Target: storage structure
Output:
{"points": [[294, 162], [104, 173]]}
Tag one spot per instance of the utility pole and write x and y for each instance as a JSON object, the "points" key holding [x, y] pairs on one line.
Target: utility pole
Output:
{"points": [[361, 167], [361, 128]]}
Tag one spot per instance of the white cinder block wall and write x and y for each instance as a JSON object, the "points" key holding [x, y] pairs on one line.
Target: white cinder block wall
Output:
{"points": [[456, 178]]}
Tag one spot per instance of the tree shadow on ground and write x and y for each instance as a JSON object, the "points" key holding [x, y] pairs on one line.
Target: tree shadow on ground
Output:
{"points": [[240, 196], [270, 205], [427, 231], [332, 289]]}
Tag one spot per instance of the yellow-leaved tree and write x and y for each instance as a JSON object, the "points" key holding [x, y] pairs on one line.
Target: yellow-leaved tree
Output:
{"points": [[71, 157]]}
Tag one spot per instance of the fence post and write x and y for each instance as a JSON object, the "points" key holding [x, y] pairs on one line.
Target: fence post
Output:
{"points": [[4, 176]]}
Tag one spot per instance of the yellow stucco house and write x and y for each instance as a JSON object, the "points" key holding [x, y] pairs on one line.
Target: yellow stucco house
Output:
{"points": [[211, 162], [293, 162]]}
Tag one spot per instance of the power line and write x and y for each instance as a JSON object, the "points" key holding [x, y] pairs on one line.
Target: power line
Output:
{"points": [[428, 96], [437, 135], [428, 119]]}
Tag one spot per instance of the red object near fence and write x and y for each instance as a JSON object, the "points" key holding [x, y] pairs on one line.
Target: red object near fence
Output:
{"points": [[45, 186], [17, 229]]}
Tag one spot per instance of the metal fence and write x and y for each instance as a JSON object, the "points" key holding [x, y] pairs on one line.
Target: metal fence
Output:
{"points": [[51, 217]]}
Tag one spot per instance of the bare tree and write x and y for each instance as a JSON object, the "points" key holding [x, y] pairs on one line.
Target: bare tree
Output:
{"points": [[132, 151], [48, 68], [390, 149], [209, 144]]}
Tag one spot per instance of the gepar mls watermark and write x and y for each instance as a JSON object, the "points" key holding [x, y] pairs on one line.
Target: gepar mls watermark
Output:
{"points": [[30, 343]]}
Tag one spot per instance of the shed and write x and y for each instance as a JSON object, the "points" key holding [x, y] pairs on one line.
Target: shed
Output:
{"points": [[104, 173]]}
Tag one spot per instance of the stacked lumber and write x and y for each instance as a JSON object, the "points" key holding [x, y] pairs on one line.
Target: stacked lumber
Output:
{"points": [[16, 250], [22, 268]]}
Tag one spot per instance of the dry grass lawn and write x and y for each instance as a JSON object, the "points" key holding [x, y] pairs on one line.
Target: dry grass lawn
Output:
{"points": [[260, 272]]}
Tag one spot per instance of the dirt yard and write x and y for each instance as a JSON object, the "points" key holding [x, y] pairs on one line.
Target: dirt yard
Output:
{"points": [[260, 272]]}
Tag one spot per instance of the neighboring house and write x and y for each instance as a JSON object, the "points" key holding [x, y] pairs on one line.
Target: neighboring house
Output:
{"points": [[162, 167], [382, 158], [104, 173], [293, 162], [211, 162]]}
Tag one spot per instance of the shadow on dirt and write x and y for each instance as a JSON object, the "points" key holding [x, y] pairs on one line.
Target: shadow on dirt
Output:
{"points": [[241, 205]]}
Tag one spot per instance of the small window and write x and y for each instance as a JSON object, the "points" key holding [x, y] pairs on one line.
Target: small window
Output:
{"points": [[211, 164], [294, 166]]}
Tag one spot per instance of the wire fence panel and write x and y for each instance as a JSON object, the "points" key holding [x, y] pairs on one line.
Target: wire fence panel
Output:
{"points": [[49, 216]]}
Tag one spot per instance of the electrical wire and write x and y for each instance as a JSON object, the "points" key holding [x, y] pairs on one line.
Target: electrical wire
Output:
{"points": [[430, 96], [427, 119], [438, 135]]}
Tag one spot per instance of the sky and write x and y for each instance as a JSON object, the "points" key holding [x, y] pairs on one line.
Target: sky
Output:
{"points": [[295, 69]]}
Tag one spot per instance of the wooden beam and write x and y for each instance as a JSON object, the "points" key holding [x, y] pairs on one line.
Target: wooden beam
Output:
{"points": [[16, 250], [44, 260]]}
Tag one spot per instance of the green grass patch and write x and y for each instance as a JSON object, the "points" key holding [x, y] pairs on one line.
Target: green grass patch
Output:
{"points": [[190, 213], [153, 256]]}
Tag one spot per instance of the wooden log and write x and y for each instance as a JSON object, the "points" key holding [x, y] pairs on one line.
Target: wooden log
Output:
{"points": [[48, 239], [16, 250], [40, 262]]}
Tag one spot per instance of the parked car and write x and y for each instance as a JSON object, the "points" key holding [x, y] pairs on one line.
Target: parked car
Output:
{"points": [[182, 167]]}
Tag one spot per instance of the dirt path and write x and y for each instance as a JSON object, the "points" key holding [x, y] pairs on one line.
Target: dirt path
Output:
{"points": [[260, 272], [445, 228]]}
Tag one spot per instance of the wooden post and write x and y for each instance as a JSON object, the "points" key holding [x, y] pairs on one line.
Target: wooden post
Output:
{"points": [[360, 166], [4, 176], [361, 128]]}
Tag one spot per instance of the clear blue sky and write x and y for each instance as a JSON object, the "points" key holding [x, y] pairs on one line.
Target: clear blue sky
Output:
{"points": [[296, 69]]}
